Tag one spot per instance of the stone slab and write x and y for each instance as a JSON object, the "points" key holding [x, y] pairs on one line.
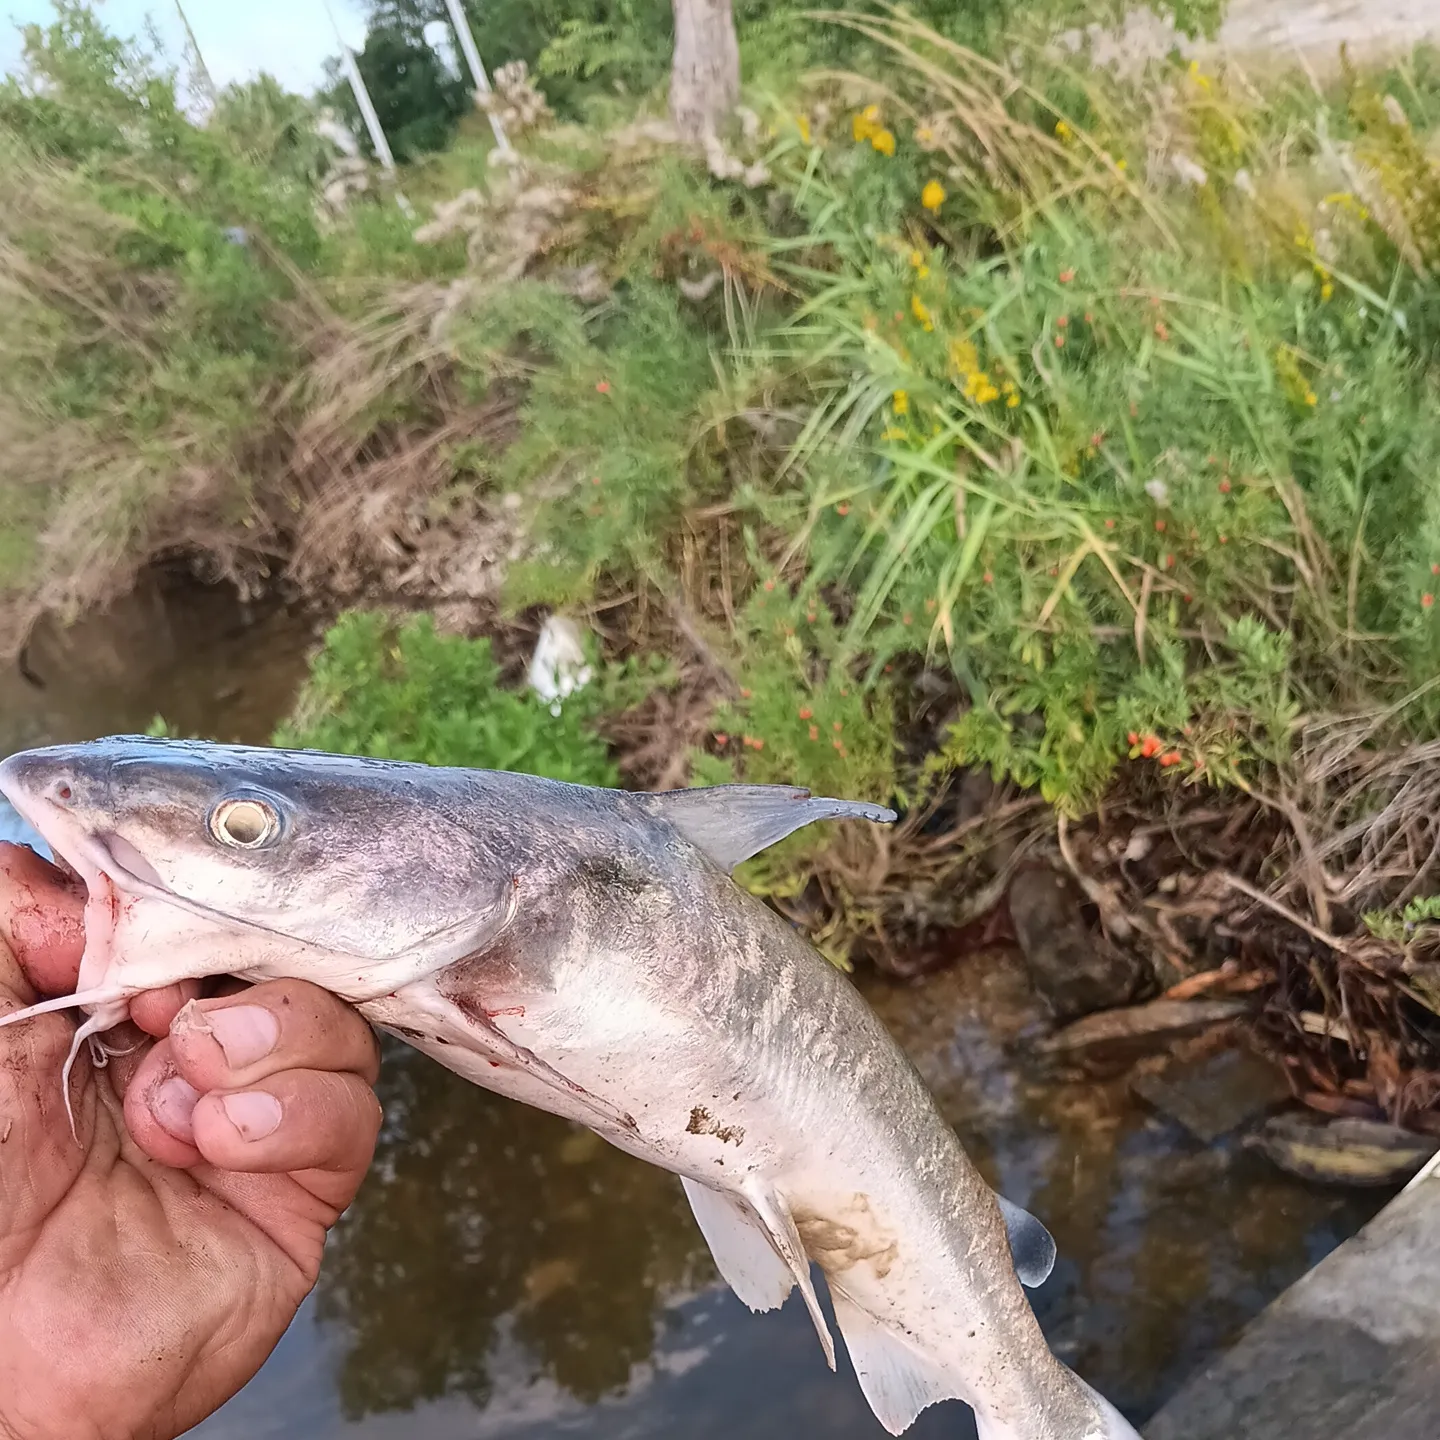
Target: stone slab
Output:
{"points": [[1352, 1349]]}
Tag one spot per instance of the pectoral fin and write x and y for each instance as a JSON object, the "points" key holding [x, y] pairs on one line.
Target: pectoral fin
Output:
{"points": [[730, 823], [1031, 1246], [775, 1216]]}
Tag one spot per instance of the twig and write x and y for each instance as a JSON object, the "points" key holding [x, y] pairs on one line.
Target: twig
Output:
{"points": [[1284, 911], [1120, 925]]}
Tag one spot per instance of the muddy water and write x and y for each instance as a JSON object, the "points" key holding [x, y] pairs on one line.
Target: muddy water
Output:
{"points": [[503, 1274]]}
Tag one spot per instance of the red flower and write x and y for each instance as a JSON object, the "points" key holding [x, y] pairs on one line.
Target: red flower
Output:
{"points": [[1059, 342], [1109, 524], [988, 578], [814, 732], [1173, 758], [806, 712], [1066, 276], [1133, 738], [1224, 487], [1160, 526], [1427, 599], [1063, 321], [769, 584], [1162, 330], [1151, 746], [842, 509], [721, 738], [603, 386]]}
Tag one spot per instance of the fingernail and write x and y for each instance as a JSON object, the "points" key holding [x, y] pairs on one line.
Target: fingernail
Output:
{"points": [[246, 1033], [254, 1113], [172, 1103]]}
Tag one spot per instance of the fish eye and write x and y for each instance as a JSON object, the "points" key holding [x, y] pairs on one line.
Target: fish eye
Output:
{"points": [[244, 824]]}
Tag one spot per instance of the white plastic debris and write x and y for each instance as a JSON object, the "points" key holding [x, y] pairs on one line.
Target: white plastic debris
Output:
{"points": [[558, 668], [1189, 171]]}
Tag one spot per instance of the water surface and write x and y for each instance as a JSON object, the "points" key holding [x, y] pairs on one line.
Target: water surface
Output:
{"points": [[504, 1274]]}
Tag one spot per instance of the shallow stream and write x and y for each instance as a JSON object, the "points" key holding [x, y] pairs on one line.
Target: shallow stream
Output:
{"points": [[504, 1274]]}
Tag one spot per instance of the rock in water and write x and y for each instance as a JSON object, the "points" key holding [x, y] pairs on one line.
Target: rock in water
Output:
{"points": [[1343, 1152], [1216, 1094], [1074, 969]]}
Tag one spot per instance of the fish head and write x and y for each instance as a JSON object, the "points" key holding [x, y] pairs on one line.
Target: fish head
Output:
{"points": [[203, 859]]}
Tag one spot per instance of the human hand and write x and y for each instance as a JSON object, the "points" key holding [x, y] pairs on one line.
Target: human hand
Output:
{"points": [[147, 1272]]}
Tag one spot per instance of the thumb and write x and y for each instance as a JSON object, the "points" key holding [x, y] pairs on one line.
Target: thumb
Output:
{"points": [[42, 925]]}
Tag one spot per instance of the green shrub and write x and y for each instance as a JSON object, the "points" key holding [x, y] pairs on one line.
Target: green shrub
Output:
{"points": [[405, 692]]}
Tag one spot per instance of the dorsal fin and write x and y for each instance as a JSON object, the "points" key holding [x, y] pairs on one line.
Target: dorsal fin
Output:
{"points": [[730, 823], [1032, 1247]]}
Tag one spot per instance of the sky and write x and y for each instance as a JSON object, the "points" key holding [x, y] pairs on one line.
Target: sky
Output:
{"points": [[238, 38]]}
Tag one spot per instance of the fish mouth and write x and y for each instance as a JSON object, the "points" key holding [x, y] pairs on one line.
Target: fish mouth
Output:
{"points": [[85, 857]]}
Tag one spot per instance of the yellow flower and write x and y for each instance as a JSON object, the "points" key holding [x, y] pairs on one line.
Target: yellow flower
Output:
{"points": [[963, 359], [932, 197], [1063, 131], [1310, 397], [980, 388], [863, 126], [901, 402], [924, 135], [883, 141], [802, 124], [1122, 166], [892, 432], [1327, 290], [1012, 401], [920, 312]]}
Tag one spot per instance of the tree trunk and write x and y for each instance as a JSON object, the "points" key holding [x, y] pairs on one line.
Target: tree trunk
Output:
{"points": [[705, 76]]}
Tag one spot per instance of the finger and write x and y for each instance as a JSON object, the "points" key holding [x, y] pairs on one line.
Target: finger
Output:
{"points": [[160, 1109], [155, 1011], [315, 1124], [42, 922], [235, 1041]]}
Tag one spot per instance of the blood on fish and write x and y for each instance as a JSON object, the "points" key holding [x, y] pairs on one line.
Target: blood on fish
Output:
{"points": [[517, 1010]]}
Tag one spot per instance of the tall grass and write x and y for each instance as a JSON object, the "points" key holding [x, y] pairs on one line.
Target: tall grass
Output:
{"points": [[1121, 405]]}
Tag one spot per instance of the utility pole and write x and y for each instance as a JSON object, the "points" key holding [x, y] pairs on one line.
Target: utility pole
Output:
{"points": [[367, 109], [477, 70], [202, 75]]}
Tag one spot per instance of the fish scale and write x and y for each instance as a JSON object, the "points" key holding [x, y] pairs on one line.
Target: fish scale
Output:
{"points": [[586, 952]]}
